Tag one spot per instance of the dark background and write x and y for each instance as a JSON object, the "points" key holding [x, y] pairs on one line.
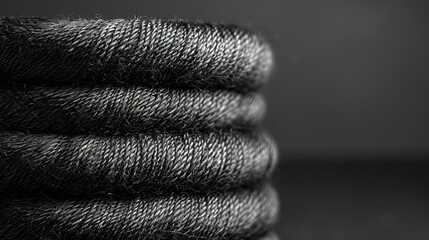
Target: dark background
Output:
{"points": [[348, 105]]}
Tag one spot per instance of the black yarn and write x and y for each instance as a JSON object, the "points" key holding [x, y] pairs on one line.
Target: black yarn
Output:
{"points": [[155, 162], [125, 110], [238, 215], [133, 129], [145, 51]]}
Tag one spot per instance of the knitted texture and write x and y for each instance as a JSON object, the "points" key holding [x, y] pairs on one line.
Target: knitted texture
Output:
{"points": [[133, 129]]}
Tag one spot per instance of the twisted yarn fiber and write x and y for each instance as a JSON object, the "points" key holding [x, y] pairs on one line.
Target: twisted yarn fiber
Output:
{"points": [[144, 51], [133, 129], [188, 162], [124, 110], [237, 215]]}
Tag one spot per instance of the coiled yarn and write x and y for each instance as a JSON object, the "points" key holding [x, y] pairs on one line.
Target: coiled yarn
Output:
{"points": [[133, 129]]}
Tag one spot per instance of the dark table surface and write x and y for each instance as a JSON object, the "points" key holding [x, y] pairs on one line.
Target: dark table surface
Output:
{"points": [[354, 201]]}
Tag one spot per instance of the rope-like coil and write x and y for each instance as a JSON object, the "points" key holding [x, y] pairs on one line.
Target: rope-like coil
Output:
{"points": [[231, 215], [191, 162], [133, 129], [120, 110], [143, 51]]}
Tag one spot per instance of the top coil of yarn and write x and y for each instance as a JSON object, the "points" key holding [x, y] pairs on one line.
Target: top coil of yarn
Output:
{"points": [[148, 52]]}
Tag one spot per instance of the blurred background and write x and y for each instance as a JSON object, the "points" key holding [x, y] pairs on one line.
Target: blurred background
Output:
{"points": [[348, 105]]}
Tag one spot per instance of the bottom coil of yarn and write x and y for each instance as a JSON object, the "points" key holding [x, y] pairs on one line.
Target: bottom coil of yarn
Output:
{"points": [[244, 214]]}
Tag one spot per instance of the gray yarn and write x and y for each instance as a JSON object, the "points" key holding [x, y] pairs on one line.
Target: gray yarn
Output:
{"points": [[152, 162], [125, 110], [144, 51], [133, 129], [232, 215]]}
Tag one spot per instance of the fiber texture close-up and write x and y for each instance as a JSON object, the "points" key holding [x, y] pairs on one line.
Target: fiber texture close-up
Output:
{"points": [[133, 129]]}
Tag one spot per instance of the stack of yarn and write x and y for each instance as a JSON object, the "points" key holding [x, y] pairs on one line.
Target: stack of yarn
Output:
{"points": [[133, 129]]}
